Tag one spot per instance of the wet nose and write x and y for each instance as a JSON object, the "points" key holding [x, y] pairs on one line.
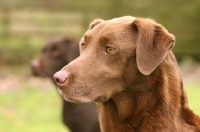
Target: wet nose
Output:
{"points": [[34, 67], [34, 63], [61, 77]]}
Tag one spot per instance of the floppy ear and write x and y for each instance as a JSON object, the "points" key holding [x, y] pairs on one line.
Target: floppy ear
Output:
{"points": [[94, 23], [152, 44]]}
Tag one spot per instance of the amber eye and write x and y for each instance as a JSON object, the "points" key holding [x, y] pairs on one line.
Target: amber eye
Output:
{"points": [[82, 44], [110, 50]]}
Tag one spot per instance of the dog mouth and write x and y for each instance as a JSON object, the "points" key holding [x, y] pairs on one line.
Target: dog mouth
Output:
{"points": [[78, 99], [67, 98], [101, 99], [60, 91], [71, 100]]}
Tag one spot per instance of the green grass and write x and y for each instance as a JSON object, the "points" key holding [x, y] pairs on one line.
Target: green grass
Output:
{"points": [[31, 110], [193, 92]]}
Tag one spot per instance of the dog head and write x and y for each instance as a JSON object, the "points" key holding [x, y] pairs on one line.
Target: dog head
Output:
{"points": [[55, 54], [116, 55]]}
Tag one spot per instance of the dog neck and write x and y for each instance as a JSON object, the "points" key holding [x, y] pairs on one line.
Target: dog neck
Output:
{"points": [[155, 108]]}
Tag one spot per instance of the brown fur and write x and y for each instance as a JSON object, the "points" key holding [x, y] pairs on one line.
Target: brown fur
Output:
{"points": [[126, 67], [58, 52]]}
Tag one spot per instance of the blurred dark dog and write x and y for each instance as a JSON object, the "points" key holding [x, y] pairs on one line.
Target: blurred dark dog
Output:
{"points": [[57, 53]]}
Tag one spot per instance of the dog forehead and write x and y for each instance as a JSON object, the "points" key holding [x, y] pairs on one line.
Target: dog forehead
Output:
{"points": [[123, 20], [55, 41], [111, 26], [118, 23]]}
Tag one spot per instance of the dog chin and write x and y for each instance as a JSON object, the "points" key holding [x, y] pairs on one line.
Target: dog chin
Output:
{"points": [[77, 100], [73, 100]]}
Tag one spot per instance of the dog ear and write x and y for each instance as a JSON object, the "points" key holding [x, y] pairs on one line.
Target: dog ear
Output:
{"points": [[152, 44], [94, 23]]}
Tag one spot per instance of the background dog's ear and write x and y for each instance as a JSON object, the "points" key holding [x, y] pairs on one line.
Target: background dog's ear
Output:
{"points": [[94, 23], [152, 44]]}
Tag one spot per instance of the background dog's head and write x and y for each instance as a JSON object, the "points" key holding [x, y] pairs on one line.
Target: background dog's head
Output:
{"points": [[116, 55], [58, 52]]}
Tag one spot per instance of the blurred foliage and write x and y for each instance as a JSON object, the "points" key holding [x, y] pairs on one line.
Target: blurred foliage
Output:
{"points": [[26, 25]]}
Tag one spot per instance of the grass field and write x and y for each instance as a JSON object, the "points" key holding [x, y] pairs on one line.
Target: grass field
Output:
{"points": [[31, 109], [193, 97], [33, 104]]}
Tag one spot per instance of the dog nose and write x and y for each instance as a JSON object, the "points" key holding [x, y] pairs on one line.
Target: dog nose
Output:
{"points": [[34, 63], [34, 67], [61, 77]]}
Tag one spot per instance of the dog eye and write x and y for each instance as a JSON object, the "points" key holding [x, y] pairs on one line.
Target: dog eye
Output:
{"points": [[110, 50], [54, 48], [82, 44]]}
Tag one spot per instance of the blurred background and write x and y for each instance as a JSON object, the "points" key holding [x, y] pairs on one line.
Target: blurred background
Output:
{"points": [[30, 104]]}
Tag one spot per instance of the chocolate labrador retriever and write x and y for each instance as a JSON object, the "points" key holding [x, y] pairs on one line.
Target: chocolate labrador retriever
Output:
{"points": [[58, 52], [127, 67]]}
